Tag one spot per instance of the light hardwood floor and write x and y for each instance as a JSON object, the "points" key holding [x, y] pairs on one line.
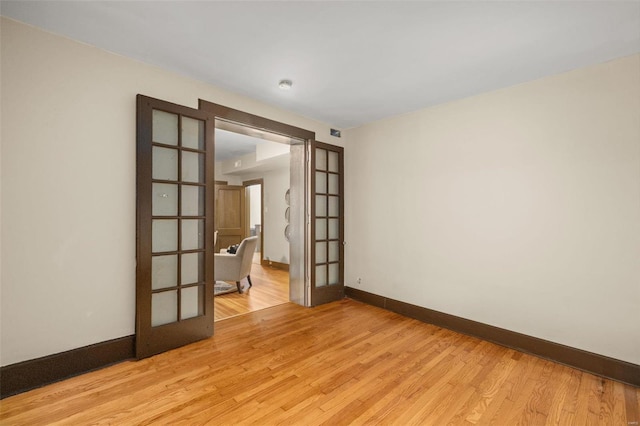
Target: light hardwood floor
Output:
{"points": [[270, 288], [341, 363]]}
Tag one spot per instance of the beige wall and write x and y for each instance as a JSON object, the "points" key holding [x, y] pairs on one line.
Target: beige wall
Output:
{"points": [[276, 183], [68, 186], [519, 208]]}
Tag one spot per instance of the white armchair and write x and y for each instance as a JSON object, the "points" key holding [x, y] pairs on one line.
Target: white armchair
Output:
{"points": [[234, 267]]}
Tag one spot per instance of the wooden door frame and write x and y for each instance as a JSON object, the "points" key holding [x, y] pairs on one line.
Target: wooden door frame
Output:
{"points": [[255, 121], [234, 116], [260, 182]]}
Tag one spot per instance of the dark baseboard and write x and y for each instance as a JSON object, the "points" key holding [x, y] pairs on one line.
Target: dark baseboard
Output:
{"points": [[275, 265], [26, 375], [600, 365]]}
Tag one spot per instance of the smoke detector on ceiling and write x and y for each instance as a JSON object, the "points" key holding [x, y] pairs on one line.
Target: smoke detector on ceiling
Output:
{"points": [[285, 84]]}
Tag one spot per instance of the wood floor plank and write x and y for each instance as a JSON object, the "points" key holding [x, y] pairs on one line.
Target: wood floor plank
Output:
{"points": [[489, 389], [341, 363], [270, 288]]}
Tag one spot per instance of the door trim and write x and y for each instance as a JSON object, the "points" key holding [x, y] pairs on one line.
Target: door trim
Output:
{"points": [[254, 121], [34, 373]]}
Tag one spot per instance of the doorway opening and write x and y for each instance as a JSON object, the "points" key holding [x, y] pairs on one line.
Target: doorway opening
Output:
{"points": [[256, 164], [316, 204]]}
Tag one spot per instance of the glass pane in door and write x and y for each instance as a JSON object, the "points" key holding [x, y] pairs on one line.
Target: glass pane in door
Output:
{"points": [[321, 159], [164, 271], [165, 127], [192, 200], [192, 167], [165, 199], [334, 165], [190, 305], [192, 133], [164, 235], [334, 274], [334, 229], [321, 183], [164, 308], [191, 270], [321, 275], [321, 252], [334, 184], [321, 205], [192, 234], [334, 206], [334, 251], [321, 229], [165, 163]]}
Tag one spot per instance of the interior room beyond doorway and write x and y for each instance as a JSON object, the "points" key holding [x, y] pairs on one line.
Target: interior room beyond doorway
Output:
{"points": [[252, 163]]}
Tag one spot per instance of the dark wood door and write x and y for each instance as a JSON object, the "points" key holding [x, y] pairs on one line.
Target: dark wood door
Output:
{"points": [[230, 215], [327, 224], [175, 226]]}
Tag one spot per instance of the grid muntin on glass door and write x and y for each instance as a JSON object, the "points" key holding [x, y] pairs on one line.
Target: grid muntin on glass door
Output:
{"points": [[327, 213], [178, 218]]}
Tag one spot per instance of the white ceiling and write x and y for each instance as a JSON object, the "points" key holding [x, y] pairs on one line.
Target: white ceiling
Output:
{"points": [[232, 145], [350, 62]]}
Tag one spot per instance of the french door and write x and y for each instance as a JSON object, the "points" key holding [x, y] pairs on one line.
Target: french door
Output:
{"points": [[175, 226], [327, 225]]}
